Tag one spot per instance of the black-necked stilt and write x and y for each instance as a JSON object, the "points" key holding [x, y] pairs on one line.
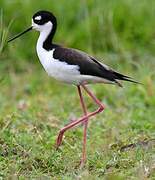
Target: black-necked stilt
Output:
{"points": [[71, 66]]}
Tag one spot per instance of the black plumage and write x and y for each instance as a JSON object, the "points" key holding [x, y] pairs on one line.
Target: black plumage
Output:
{"points": [[57, 61], [88, 65]]}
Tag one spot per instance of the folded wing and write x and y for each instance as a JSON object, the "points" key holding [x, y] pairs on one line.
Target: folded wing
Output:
{"points": [[88, 65]]}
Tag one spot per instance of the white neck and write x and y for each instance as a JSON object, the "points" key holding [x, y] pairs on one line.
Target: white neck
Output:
{"points": [[40, 50], [42, 37]]}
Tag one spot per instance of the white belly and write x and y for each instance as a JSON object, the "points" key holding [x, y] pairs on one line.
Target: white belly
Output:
{"points": [[61, 70], [64, 72], [57, 69], [70, 74]]}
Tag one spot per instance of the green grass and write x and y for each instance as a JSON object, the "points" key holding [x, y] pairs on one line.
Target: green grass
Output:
{"points": [[34, 107]]}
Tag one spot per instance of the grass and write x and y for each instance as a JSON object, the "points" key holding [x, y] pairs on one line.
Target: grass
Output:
{"points": [[33, 107]]}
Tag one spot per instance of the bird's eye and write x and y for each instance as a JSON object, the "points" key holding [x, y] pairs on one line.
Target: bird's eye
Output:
{"points": [[38, 21]]}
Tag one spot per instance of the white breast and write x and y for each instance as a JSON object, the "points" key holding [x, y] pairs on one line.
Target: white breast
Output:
{"points": [[61, 70], [55, 68], [64, 72]]}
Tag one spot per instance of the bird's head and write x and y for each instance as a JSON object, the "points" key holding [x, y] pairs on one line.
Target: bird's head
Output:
{"points": [[41, 21]]}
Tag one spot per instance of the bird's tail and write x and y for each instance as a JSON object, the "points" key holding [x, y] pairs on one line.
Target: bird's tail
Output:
{"points": [[123, 78]]}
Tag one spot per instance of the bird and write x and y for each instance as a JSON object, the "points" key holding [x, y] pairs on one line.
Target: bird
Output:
{"points": [[71, 66]]}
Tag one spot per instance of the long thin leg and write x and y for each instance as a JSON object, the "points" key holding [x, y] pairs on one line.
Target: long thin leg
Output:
{"points": [[85, 127], [82, 119]]}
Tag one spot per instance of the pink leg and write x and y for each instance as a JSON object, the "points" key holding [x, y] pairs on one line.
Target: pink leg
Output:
{"points": [[82, 119], [85, 127]]}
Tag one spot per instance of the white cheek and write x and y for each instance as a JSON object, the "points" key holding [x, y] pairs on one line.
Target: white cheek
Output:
{"points": [[48, 25], [35, 26]]}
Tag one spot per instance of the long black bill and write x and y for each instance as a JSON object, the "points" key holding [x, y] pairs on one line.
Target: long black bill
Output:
{"points": [[29, 29]]}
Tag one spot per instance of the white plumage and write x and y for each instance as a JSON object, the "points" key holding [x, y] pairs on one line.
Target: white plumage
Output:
{"points": [[60, 70], [70, 66]]}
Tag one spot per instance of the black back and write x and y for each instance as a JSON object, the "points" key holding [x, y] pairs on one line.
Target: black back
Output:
{"points": [[87, 64]]}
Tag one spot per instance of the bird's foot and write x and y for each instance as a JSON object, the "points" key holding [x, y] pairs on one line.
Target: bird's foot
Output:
{"points": [[59, 139], [82, 163]]}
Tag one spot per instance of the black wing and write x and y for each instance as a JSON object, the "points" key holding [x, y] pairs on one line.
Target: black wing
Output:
{"points": [[88, 65]]}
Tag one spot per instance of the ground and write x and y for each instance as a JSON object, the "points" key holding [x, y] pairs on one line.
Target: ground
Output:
{"points": [[34, 107]]}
